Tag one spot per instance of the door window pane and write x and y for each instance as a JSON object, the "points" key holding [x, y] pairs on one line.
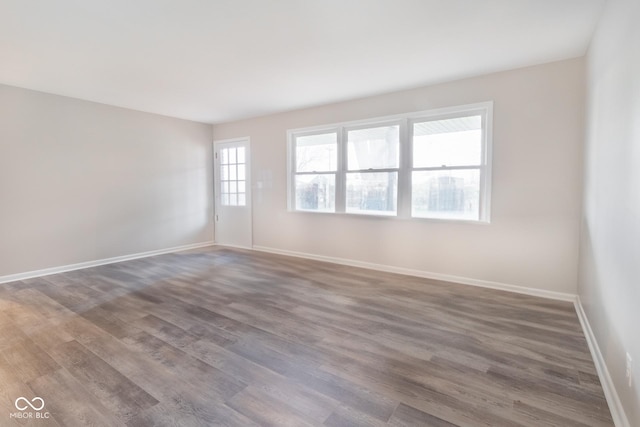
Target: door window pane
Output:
{"points": [[449, 142], [446, 194], [233, 176], [372, 193], [374, 148], [315, 192]]}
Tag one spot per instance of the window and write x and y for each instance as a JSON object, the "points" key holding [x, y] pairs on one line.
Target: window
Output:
{"points": [[316, 165], [432, 164], [447, 163], [373, 161], [232, 177]]}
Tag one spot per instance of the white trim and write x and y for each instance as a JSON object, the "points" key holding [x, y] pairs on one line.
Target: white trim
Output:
{"points": [[561, 296], [487, 171], [95, 263], [231, 140], [383, 119], [613, 400], [224, 245]]}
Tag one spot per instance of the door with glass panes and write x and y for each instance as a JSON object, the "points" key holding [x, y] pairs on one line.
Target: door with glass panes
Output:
{"points": [[232, 193]]}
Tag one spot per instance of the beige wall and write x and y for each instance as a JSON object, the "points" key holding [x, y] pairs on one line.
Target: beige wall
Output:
{"points": [[609, 284], [537, 180], [81, 181]]}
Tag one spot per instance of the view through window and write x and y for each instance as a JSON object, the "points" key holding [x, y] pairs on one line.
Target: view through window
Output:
{"points": [[432, 164], [232, 177]]}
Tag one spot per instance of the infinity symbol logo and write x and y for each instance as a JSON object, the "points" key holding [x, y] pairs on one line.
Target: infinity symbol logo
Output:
{"points": [[31, 404]]}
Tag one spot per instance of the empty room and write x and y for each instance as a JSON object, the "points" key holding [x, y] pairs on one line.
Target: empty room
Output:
{"points": [[320, 213]]}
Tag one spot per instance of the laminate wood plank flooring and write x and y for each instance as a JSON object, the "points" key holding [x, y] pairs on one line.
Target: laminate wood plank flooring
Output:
{"points": [[221, 336]]}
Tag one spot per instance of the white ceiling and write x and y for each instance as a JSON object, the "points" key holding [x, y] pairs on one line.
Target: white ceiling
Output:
{"points": [[220, 60]]}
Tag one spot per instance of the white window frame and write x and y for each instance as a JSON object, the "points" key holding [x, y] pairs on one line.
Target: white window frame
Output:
{"points": [[291, 167], [406, 121], [345, 155]]}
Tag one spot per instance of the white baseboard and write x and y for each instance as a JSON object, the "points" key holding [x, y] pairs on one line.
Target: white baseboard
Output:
{"points": [[81, 265], [613, 400], [425, 274], [224, 245]]}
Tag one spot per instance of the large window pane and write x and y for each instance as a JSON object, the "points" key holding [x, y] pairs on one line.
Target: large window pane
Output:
{"points": [[448, 194], [372, 193], [315, 192], [374, 148], [450, 142], [317, 153]]}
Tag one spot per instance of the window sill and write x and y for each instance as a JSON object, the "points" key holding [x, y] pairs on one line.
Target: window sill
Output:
{"points": [[393, 217]]}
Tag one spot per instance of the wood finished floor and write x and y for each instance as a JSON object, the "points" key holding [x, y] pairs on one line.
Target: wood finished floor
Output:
{"points": [[228, 337]]}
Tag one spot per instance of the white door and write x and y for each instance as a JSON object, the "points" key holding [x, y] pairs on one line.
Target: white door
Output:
{"points": [[232, 192]]}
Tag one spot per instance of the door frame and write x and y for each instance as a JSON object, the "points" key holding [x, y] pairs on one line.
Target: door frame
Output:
{"points": [[248, 188]]}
